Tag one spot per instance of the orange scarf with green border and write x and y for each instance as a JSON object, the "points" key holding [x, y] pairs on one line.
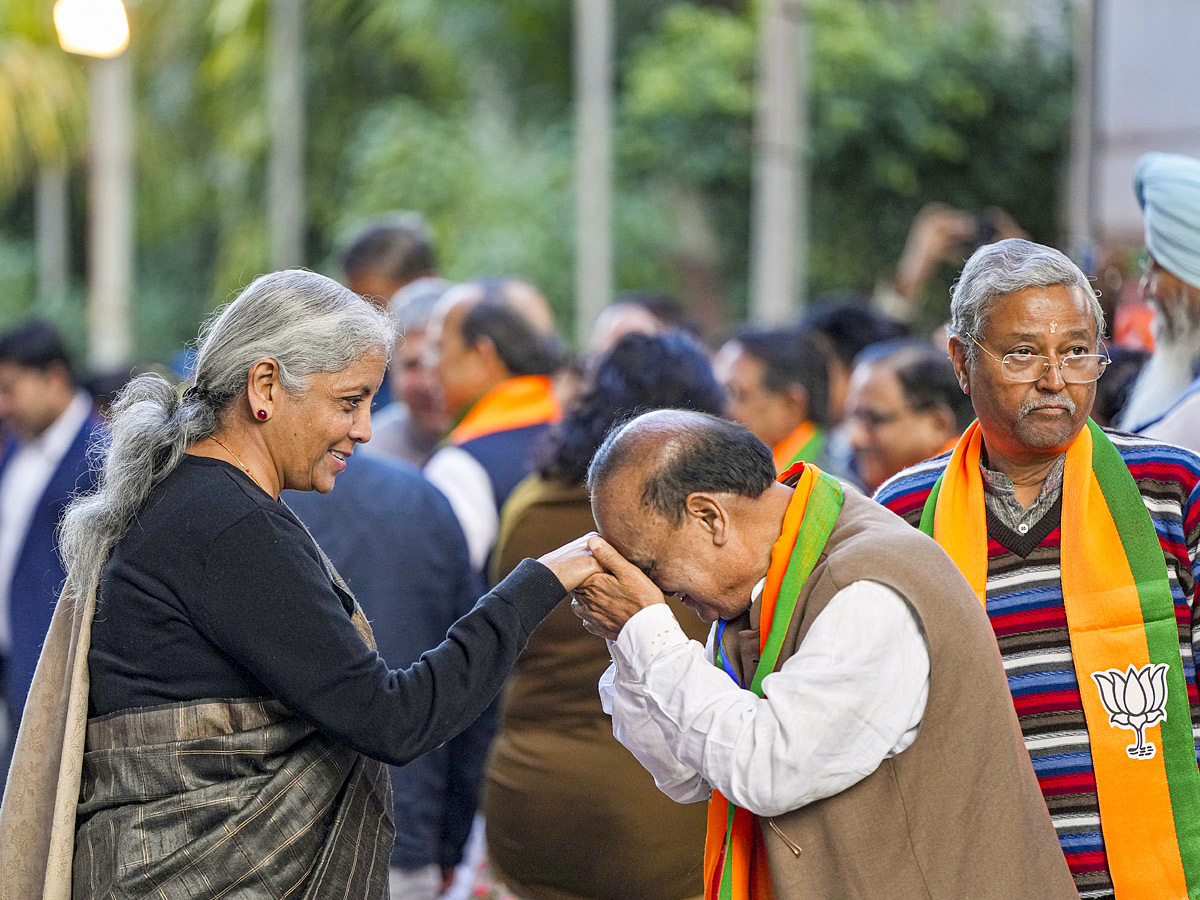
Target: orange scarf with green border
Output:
{"points": [[513, 403], [802, 445], [1125, 646], [735, 861]]}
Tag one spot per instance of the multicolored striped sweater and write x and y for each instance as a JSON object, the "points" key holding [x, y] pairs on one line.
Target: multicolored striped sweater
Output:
{"points": [[1025, 605]]}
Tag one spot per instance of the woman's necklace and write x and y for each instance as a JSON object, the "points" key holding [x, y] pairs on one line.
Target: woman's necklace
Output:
{"points": [[245, 468]]}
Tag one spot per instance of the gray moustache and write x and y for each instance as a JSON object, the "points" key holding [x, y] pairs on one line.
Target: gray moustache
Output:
{"points": [[1030, 405]]}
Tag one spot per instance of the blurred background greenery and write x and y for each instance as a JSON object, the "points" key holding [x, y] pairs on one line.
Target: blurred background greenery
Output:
{"points": [[461, 109]]}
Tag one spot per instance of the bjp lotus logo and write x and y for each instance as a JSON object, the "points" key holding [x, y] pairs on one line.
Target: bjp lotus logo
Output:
{"points": [[1135, 699]]}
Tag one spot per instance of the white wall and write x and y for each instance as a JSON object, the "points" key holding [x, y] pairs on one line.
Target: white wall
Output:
{"points": [[1147, 98]]}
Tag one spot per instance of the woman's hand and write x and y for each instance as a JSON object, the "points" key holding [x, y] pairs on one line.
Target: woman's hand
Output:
{"points": [[606, 601], [572, 563]]}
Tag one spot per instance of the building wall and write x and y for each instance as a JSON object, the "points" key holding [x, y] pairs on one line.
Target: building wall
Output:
{"points": [[1147, 97]]}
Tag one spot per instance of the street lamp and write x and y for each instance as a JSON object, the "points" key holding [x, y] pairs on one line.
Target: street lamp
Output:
{"points": [[100, 29], [92, 27]]}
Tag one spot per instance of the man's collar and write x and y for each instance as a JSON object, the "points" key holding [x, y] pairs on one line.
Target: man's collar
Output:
{"points": [[997, 483], [1000, 496], [513, 403]]}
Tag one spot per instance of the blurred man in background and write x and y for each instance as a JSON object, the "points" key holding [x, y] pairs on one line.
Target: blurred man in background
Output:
{"points": [[904, 405], [850, 328], [395, 540], [49, 425], [1165, 403], [639, 312], [493, 349], [410, 428], [778, 385], [388, 256]]}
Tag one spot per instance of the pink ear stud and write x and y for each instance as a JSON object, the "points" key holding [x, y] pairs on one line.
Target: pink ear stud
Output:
{"points": [[262, 415]]}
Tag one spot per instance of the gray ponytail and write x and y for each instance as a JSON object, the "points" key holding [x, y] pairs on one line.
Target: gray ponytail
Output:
{"points": [[306, 322]]}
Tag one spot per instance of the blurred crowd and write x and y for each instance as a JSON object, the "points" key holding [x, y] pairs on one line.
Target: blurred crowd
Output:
{"points": [[478, 459]]}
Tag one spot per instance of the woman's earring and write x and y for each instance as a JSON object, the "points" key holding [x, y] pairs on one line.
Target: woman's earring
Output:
{"points": [[262, 415]]}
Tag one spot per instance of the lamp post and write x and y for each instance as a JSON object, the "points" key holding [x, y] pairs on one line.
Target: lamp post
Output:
{"points": [[1079, 213], [100, 29], [779, 231], [593, 161], [285, 119]]}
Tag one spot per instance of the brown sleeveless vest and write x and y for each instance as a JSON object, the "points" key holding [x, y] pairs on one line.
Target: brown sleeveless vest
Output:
{"points": [[959, 813]]}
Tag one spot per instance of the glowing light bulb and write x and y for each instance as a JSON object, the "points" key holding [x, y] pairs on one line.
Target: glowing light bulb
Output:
{"points": [[92, 27]]}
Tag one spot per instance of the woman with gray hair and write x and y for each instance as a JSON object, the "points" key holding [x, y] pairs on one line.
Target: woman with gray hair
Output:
{"points": [[209, 716]]}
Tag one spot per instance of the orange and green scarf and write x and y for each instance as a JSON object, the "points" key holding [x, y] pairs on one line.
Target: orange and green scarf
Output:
{"points": [[802, 445], [1125, 646], [735, 864], [514, 403]]}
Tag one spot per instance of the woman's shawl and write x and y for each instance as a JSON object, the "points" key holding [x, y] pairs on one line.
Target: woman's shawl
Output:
{"points": [[184, 800], [37, 818]]}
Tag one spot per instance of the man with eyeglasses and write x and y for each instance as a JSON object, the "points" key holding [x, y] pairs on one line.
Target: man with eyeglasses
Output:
{"points": [[1165, 402], [1084, 547]]}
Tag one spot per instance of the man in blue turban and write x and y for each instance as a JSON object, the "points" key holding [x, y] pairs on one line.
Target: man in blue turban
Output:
{"points": [[1165, 403]]}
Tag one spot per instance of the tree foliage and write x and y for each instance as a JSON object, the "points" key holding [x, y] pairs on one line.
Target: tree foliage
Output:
{"points": [[42, 96], [907, 106], [462, 109]]}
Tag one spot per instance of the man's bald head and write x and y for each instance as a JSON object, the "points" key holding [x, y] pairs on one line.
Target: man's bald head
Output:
{"points": [[673, 454], [692, 501]]}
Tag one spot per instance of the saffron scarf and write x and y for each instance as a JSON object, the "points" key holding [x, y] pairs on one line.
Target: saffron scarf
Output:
{"points": [[1125, 648], [513, 403], [802, 445], [735, 862]]}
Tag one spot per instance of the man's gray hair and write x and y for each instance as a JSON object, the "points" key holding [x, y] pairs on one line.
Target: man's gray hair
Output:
{"points": [[306, 322], [1006, 267]]}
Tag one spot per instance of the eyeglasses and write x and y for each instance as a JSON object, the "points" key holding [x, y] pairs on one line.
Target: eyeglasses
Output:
{"points": [[1083, 368]]}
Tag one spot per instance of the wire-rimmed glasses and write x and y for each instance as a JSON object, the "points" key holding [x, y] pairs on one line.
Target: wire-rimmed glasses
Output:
{"points": [[1083, 368]]}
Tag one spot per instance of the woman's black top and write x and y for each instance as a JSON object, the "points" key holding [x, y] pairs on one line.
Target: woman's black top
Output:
{"points": [[218, 592]]}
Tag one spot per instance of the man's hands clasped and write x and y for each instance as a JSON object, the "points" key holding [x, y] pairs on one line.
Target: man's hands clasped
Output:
{"points": [[607, 589], [607, 600]]}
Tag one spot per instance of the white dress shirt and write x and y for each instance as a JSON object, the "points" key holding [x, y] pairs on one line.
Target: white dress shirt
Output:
{"points": [[465, 482], [851, 696], [24, 481]]}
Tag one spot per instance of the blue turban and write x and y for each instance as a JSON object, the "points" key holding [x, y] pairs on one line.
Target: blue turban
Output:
{"points": [[1168, 188]]}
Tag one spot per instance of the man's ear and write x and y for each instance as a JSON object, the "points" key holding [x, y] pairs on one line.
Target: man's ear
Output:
{"points": [[485, 347], [797, 396], [710, 514], [958, 356], [263, 387]]}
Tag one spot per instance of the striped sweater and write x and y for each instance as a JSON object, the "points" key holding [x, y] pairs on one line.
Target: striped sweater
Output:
{"points": [[1025, 606]]}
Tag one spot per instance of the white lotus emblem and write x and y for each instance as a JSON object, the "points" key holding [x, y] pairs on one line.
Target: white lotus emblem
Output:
{"points": [[1135, 699]]}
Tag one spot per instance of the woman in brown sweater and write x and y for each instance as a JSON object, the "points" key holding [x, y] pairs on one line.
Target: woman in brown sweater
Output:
{"points": [[570, 814]]}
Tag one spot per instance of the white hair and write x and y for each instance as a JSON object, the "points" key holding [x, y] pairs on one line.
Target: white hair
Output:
{"points": [[1006, 267], [306, 322]]}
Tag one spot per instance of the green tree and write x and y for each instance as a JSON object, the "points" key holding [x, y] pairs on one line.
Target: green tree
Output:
{"points": [[461, 109], [42, 100], [907, 107]]}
